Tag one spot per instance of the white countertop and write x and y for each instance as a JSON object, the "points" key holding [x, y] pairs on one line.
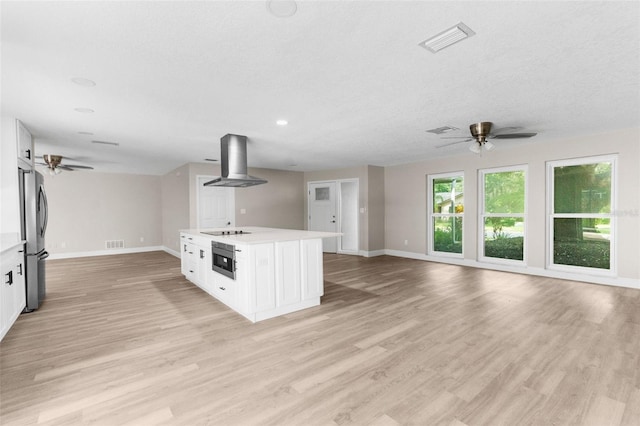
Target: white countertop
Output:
{"points": [[257, 235], [9, 241]]}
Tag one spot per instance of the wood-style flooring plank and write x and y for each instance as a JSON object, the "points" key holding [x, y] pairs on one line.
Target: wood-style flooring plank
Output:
{"points": [[127, 340]]}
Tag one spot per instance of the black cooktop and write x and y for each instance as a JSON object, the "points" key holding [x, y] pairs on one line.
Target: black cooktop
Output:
{"points": [[230, 232]]}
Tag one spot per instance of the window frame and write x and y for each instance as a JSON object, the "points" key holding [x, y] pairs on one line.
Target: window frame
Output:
{"points": [[431, 215], [613, 240], [482, 215]]}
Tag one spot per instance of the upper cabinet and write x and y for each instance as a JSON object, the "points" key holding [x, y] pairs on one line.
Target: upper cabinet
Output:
{"points": [[9, 191], [25, 147]]}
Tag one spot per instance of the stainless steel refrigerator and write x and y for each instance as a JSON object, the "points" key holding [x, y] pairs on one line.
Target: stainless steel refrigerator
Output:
{"points": [[34, 212]]}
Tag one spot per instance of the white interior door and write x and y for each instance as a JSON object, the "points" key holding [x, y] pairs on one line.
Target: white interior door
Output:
{"points": [[322, 212], [216, 205], [348, 217]]}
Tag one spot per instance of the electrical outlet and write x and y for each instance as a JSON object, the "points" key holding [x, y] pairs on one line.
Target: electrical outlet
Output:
{"points": [[243, 211], [63, 244], [406, 242], [142, 239]]}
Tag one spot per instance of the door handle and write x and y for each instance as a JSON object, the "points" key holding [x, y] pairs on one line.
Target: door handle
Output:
{"points": [[9, 277], [20, 269], [201, 254]]}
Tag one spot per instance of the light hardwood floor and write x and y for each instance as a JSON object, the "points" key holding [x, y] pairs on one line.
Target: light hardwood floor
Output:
{"points": [[125, 339]]}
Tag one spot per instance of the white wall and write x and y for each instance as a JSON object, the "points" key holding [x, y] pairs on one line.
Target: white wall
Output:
{"points": [[175, 206], [87, 208], [277, 204], [405, 194]]}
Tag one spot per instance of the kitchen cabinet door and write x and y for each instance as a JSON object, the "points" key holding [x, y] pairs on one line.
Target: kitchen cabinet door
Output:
{"points": [[262, 277], [12, 292], [312, 270], [25, 147], [287, 270], [188, 260]]}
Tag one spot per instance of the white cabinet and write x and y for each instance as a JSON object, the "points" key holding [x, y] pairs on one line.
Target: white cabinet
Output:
{"points": [[288, 276], [225, 289], [272, 278], [195, 259], [9, 192], [25, 147], [188, 264], [312, 269], [283, 277], [261, 277], [12, 292]]}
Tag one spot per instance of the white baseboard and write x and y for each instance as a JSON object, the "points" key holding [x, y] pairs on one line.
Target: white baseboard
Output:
{"points": [[107, 252], [526, 270], [171, 251], [372, 253]]}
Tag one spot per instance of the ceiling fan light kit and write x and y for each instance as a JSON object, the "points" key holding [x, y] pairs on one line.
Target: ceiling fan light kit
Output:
{"points": [[481, 131]]}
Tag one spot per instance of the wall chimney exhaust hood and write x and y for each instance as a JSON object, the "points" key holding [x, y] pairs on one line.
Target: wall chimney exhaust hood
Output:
{"points": [[233, 156]]}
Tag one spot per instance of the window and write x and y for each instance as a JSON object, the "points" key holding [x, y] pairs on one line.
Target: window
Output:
{"points": [[503, 214], [581, 201], [446, 212]]}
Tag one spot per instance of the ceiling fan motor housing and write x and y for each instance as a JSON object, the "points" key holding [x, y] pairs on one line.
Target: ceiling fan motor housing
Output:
{"points": [[480, 131], [52, 160]]}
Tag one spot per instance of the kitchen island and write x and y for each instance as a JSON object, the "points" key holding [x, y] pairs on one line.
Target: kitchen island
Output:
{"points": [[259, 272]]}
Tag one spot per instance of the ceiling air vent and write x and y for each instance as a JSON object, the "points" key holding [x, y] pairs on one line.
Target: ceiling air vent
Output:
{"points": [[106, 143], [448, 37], [442, 130]]}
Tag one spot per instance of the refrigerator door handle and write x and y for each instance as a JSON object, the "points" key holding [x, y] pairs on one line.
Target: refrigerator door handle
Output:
{"points": [[45, 206]]}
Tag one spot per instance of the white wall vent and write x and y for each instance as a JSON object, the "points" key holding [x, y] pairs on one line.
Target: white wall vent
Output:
{"points": [[114, 244]]}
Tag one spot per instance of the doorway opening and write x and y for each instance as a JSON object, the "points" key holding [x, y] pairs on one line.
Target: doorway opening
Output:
{"points": [[333, 207]]}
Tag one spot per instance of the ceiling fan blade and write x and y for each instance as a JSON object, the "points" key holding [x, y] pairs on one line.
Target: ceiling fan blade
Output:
{"points": [[513, 135], [453, 143], [509, 129], [75, 166], [454, 137], [63, 167]]}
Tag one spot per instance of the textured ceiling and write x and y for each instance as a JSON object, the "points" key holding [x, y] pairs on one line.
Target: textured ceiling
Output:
{"points": [[173, 77]]}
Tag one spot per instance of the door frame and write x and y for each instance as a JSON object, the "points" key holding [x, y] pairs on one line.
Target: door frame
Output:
{"points": [[338, 210], [232, 199]]}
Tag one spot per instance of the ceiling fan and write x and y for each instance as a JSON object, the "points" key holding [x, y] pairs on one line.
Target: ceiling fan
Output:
{"points": [[53, 163], [481, 131]]}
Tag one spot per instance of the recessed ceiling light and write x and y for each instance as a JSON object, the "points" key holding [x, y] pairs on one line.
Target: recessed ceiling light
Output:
{"points": [[282, 8], [83, 81], [448, 37], [84, 110], [85, 133], [282, 122]]}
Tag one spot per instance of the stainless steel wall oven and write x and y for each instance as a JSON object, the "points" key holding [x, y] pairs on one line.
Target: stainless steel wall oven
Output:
{"points": [[224, 259]]}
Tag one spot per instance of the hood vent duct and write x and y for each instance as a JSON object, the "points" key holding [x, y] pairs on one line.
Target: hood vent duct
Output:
{"points": [[233, 156]]}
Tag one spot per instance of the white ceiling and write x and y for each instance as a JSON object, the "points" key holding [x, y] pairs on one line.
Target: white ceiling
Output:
{"points": [[349, 76]]}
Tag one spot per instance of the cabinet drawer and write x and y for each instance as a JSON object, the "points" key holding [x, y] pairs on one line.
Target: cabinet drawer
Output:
{"points": [[225, 289]]}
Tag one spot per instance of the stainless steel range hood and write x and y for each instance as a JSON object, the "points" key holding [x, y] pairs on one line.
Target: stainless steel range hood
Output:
{"points": [[233, 153]]}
